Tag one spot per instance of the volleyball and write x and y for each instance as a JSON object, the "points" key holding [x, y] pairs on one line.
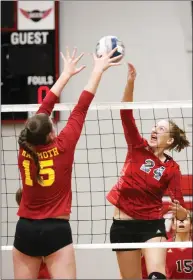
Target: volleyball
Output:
{"points": [[107, 44]]}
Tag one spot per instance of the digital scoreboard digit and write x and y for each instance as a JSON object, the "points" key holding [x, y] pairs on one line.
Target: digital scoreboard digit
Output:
{"points": [[29, 53]]}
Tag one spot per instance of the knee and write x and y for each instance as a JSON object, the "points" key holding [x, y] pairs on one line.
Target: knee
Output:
{"points": [[157, 267], [130, 274]]}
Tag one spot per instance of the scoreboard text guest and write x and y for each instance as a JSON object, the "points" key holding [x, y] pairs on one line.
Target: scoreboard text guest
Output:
{"points": [[30, 53]]}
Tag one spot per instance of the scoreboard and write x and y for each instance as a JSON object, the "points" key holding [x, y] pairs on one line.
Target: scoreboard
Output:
{"points": [[29, 53]]}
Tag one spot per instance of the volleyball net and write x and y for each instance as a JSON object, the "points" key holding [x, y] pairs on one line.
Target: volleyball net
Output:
{"points": [[99, 158]]}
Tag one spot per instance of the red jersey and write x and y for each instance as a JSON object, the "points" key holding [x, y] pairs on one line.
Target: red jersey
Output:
{"points": [[43, 273], [53, 197], [144, 178], [179, 263]]}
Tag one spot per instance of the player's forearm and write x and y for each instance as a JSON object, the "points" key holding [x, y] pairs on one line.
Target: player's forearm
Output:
{"points": [[53, 95], [128, 92], [94, 81], [48, 104], [73, 128], [131, 132], [60, 84]]}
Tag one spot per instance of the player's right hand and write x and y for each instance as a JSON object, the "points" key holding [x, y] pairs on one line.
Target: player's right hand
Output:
{"points": [[102, 63], [70, 62], [131, 73]]}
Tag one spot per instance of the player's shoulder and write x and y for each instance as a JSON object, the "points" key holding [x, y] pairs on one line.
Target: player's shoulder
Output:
{"points": [[179, 251], [170, 250], [145, 142], [143, 146], [171, 163]]}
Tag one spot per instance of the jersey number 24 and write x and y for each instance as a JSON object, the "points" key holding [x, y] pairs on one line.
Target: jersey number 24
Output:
{"points": [[149, 165]]}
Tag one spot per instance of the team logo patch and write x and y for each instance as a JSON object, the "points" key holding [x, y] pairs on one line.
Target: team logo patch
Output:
{"points": [[36, 15]]}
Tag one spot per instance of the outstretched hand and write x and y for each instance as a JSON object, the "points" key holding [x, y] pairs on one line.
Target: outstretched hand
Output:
{"points": [[70, 62], [131, 73], [102, 63], [178, 210]]}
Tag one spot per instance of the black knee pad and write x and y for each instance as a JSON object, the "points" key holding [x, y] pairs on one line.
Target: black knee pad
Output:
{"points": [[156, 275]]}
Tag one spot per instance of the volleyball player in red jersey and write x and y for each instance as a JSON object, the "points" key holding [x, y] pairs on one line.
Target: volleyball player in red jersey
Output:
{"points": [[179, 261], [45, 163], [137, 196], [43, 271]]}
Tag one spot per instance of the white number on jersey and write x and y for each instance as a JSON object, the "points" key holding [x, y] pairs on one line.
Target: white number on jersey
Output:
{"points": [[184, 265], [158, 172], [149, 165]]}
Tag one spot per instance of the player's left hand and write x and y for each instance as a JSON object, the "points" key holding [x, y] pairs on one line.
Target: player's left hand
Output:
{"points": [[70, 62], [179, 212]]}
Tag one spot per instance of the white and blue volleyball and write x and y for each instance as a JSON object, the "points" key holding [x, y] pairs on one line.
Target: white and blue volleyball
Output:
{"points": [[107, 44]]}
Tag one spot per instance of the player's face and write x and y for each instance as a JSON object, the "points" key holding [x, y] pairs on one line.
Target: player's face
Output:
{"points": [[182, 226], [160, 135]]}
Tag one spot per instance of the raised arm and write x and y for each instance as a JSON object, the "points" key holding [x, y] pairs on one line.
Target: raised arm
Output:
{"points": [[174, 189], [69, 70], [71, 132], [131, 132]]}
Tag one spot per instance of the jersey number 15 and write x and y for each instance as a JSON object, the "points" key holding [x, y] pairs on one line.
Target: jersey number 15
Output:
{"points": [[185, 265], [45, 169]]}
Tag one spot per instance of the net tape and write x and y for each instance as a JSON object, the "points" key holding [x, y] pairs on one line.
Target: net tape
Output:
{"points": [[187, 244], [102, 106]]}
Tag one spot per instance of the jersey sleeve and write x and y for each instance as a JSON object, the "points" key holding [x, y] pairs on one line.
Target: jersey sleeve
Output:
{"points": [[174, 187], [70, 134], [131, 132], [48, 104]]}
